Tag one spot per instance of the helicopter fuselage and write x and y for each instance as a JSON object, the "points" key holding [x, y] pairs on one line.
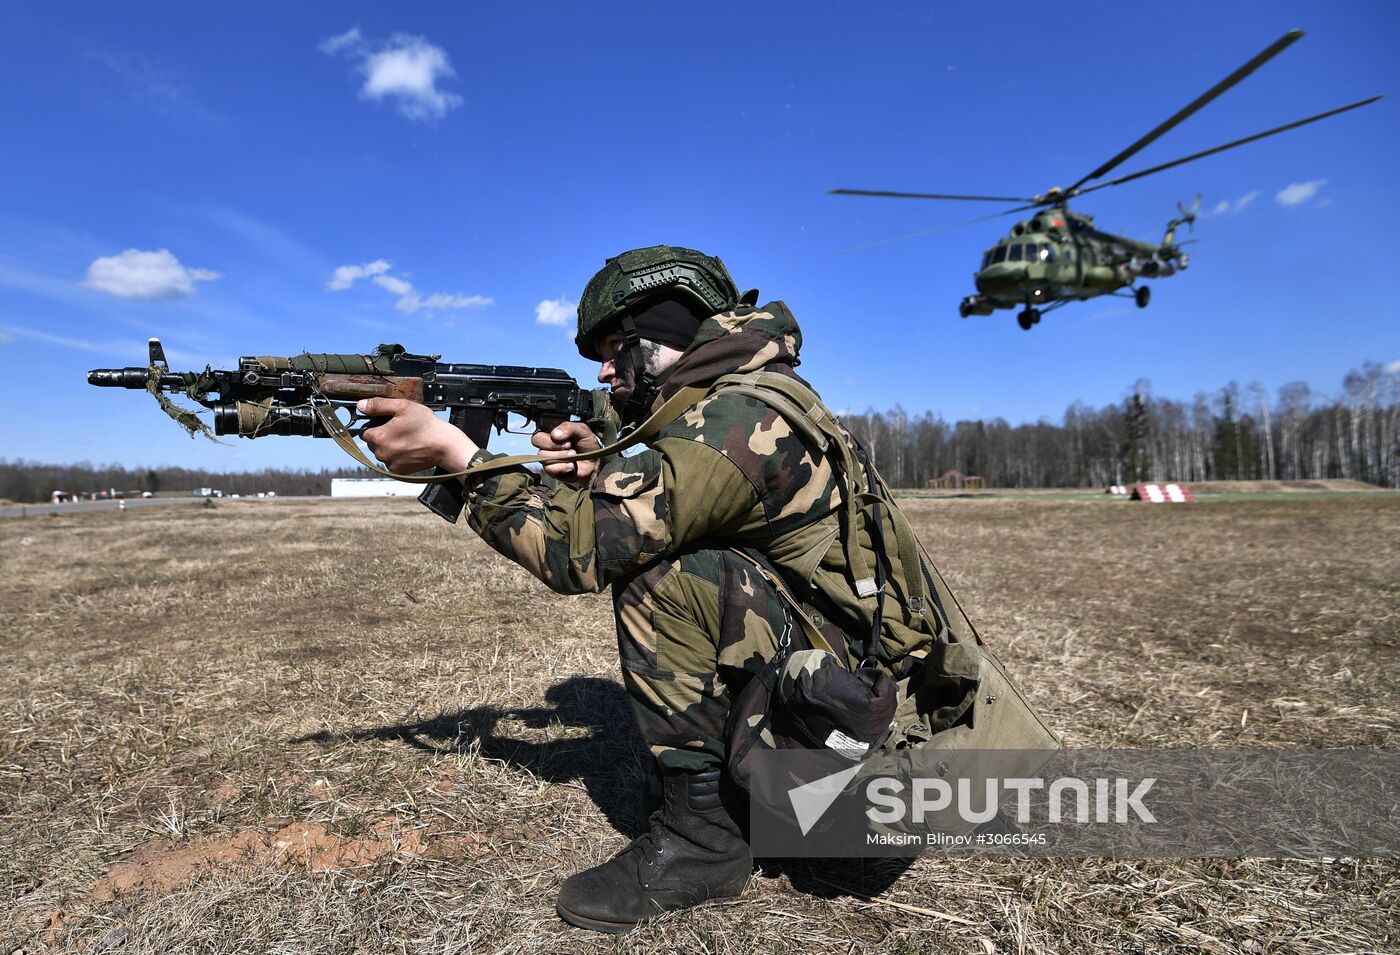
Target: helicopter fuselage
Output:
{"points": [[1059, 257]]}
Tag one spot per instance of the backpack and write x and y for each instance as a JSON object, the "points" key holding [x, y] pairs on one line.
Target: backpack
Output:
{"points": [[945, 691]]}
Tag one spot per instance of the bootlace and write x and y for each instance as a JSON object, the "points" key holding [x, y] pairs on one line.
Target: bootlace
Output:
{"points": [[647, 843]]}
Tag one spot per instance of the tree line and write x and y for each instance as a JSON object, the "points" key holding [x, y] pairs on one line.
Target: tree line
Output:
{"points": [[1234, 434], [29, 481]]}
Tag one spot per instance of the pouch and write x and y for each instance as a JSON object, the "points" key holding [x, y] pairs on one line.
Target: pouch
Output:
{"points": [[807, 699]]}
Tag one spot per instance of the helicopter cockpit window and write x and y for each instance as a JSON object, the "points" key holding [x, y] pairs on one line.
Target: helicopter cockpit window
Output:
{"points": [[986, 258], [1015, 255], [999, 255]]}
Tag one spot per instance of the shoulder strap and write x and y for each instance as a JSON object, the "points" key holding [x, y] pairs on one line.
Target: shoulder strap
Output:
{"points": [[803, 410]]}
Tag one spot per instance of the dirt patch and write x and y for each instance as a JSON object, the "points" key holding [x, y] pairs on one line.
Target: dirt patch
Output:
{"points": [[162, 866]]}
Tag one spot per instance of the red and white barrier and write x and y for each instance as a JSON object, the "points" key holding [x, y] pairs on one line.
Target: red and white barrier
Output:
{"points": [[1162, 493]]}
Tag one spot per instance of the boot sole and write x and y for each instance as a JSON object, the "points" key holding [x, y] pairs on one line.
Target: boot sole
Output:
{"points": [[596, 925], [617, 928]]}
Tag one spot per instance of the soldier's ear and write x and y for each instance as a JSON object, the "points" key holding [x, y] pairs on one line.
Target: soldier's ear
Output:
{"points": [[749, 298]]}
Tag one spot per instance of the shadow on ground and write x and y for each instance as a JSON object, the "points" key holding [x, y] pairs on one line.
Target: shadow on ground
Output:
{"points": [[608, 761], [612, 764]]}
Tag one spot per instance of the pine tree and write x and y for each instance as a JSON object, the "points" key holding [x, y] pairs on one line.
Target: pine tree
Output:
{"points": [[1135, 448]]}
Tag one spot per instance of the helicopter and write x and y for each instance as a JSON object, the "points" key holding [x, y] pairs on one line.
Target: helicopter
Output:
{"points": [[1057, 256]]}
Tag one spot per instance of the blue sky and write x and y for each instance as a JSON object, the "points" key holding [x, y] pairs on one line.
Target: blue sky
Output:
{"points": [[201, 173]]}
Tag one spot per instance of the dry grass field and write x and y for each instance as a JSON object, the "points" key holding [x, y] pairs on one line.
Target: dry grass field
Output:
{"points": [[348, 727]]}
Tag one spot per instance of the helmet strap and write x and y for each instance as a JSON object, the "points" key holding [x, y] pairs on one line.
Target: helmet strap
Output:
{"points": [[645, 383]]}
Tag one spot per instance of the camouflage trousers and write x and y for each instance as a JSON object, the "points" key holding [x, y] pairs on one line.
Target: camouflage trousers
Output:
{"points": [[691, 631]]}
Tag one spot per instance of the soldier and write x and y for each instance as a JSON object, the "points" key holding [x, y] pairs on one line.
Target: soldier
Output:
{"points": [[695, 619]]}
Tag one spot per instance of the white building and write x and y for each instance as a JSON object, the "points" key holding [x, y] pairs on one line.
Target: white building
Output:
{"points": [[373, 487]]}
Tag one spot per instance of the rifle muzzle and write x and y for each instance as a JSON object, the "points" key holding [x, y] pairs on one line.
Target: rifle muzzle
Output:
{"points": [[119, 377]]}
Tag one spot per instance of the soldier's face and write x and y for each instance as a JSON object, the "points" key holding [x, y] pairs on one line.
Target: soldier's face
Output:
{"points": [[616, 371]]}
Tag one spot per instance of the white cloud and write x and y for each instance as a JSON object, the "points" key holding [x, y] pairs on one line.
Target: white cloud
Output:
{"points": [[393, 284], [126, 348], [6, 338], [404, 69], [129, 78], [555, 311], [350, 38], [346, 275], [1296, 193], [411, 301], [1228, 206], [1394, 367], [408, 298], [151, 276]]}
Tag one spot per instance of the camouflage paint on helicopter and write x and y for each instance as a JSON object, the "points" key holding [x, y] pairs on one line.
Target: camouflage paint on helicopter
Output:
{"points": [[1058, 256]]}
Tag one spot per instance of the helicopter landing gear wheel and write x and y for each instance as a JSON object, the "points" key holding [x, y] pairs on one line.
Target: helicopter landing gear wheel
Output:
{"points": [[1142, 296], [1027, 318]]}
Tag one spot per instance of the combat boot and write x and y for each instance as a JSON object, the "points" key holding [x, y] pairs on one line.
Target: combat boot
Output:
{"points": [[692, 852]]}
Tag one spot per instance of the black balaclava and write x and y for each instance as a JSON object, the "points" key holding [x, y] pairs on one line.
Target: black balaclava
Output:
{"points": [[669, 321]]}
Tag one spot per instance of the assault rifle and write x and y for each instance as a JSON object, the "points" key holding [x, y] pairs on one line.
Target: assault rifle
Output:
{"points": [[301, 395]]}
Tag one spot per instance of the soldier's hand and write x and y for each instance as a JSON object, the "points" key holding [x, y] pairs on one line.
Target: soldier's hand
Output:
{"points": [[414, 439], [568, 438]]}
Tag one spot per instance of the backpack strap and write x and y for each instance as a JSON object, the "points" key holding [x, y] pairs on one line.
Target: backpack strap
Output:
{"points": [[804, 411]]}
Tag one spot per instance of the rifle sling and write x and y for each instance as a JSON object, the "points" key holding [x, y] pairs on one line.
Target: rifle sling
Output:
{"points": [[672, 409]]}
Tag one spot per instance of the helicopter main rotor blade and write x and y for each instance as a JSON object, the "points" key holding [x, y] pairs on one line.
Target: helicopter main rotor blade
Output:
{"points": [[1221, 149], [936, 229], [1267, 54], [923, 195]]}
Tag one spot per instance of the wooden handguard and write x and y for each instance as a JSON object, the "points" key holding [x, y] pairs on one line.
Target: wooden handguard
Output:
{"points": [[371, 386]]}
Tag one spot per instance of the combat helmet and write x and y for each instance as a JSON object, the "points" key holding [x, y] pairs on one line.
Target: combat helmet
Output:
{"points": [[629, 282]]}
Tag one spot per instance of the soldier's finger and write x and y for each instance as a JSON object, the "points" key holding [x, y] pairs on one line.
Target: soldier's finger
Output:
{"points": [[572, 432], [381, 407], [545, 441]]}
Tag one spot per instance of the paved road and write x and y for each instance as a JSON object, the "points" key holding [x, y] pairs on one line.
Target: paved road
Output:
{"points": [[73, 507]]}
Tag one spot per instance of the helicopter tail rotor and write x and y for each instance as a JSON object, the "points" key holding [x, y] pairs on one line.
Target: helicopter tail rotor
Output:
{"points": [[1188, 216]]}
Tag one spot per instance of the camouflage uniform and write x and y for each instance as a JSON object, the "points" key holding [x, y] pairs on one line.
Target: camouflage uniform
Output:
{"points": [[694, 620]]}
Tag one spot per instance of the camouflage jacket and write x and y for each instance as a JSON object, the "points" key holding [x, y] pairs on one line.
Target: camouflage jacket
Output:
{"points": [[729, 472]]}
